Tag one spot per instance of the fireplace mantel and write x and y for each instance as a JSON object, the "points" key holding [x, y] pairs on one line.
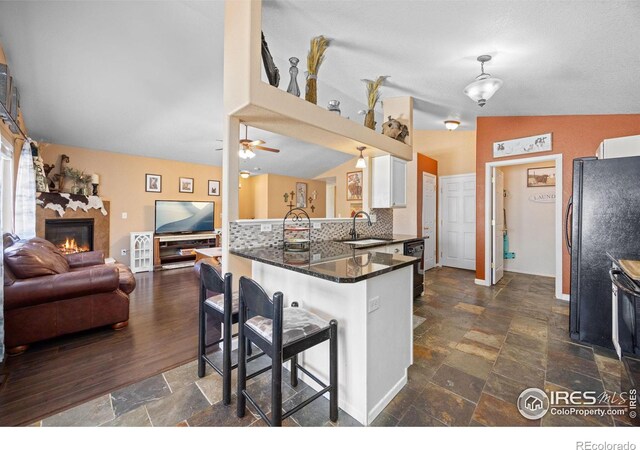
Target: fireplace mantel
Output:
{"points": [[100, 220]]}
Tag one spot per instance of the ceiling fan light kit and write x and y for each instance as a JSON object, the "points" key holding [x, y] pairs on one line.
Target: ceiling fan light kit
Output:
{"points": [[483, 88], [451, 124]]}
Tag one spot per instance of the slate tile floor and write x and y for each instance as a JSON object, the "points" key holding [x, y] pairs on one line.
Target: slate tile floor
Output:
{"points": [[475, 350]]}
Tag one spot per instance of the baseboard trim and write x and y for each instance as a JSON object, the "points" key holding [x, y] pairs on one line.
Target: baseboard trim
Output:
{"points": [[529, 273], [386, 399], [565, 297], [482, 282]]}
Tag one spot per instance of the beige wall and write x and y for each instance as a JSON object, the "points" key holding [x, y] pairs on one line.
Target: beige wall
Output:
{"points": [[455, 151], [343, 207], [262, 196], [122, 182]]}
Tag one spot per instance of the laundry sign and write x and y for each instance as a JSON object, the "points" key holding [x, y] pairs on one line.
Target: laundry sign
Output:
{"points": [[543, 198]]}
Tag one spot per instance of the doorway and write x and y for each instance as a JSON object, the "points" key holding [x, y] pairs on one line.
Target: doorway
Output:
{"points": [[457, 239], [429, 219], [529, 240]]}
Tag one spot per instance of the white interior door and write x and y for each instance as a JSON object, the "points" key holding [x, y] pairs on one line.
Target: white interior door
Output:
{"points": [[497, 222], [331, 200], [458, 221], [429, 219]]}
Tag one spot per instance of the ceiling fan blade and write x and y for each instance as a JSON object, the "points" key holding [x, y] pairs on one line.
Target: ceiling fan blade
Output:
{"points": [[257, 142], [266, 149], [245, 141], [217, 149]]}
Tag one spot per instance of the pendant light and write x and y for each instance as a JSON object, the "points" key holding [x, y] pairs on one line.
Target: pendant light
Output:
{"points": [[485, 85], [362, 163], [451, 124]]}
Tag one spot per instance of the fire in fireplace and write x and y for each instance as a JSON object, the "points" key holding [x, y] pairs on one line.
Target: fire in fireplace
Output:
{"points": [[70, 235]]}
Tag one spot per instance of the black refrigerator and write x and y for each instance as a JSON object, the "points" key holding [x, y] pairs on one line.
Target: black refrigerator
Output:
{"points": [[603, 216]]}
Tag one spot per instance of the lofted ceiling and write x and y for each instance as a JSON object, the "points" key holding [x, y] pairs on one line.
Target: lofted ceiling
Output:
{"points": [[146, 77]]}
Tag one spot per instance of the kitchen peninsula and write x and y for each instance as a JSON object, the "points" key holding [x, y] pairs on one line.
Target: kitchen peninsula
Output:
{"points": [[369, 293]]}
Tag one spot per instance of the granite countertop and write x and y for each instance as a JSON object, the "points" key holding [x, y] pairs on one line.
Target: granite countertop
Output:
{"points": [[330, 260]]}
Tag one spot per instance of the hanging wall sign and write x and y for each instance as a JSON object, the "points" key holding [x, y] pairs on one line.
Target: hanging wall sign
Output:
{"points": [[543, 198], [520, 146]]}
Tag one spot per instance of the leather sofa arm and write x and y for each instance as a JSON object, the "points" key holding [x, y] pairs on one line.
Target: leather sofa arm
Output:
{"points": [[85, 259], [50, 288]]}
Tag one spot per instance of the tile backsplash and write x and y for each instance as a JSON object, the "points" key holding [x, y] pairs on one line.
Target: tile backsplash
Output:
{"points": [[248, 235]]}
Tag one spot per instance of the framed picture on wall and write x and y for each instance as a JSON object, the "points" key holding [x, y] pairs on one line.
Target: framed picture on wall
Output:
{"points": [[214, 187], [153, 183], [301, 195], [186, 185], [354, 186], [541, 177]]}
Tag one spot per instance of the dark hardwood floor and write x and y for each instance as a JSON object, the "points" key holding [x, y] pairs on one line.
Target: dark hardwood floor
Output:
{"points": [[54, 375]]}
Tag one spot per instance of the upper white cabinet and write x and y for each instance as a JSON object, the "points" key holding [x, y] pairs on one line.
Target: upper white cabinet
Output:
{"points": [[388, 182]]}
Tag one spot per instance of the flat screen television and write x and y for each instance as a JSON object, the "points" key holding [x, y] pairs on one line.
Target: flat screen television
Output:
{"points": [[174, 216]]}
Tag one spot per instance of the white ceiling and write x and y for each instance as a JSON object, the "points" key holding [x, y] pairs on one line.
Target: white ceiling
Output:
{"points": [[146, 77]]}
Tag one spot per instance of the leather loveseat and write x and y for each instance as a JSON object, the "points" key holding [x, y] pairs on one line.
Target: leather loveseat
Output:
{"points": [[49, 294]]}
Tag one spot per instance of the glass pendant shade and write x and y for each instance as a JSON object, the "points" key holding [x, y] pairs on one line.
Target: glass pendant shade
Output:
{"points": [[483, 88], [361, 163]]}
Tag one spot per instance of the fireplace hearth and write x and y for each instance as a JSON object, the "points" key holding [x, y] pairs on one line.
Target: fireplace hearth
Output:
{"points": [[70, 235]]}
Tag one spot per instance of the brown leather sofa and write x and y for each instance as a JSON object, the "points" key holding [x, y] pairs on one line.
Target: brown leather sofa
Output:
{"points": [[49, 294]]}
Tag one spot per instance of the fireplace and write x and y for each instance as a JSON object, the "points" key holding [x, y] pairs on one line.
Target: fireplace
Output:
{"points": [[70, 235]]}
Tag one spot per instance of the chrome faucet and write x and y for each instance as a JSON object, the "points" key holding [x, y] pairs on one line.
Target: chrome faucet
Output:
{"points": [[353, 233]]}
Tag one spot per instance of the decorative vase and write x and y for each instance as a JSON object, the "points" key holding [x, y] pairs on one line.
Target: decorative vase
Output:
{"points": [[86, 190], [369, 119], [293, 88], [334, 106], [311, 93], [75, 189]]}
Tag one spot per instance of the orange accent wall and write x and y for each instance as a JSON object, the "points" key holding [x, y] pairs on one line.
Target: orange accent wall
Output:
{"points": [[429, 165], [573, 137]]}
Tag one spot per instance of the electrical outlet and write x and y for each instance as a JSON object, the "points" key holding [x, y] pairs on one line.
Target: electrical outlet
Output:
{"points": [[317, 225], [374, 304], [373, 217], [265, 227], [123, 252], [316, 257], [124, 215]]}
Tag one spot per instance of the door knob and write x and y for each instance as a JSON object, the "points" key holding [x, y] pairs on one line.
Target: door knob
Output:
{"points": [[426, 237]]}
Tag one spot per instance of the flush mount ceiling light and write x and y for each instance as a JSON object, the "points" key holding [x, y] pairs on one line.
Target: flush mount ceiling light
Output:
{"points": [[362, 163], [245, 174], [451, 124], [485, 85]]}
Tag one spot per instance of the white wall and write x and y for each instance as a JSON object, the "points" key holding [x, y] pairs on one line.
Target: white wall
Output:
{"points": [[405, 219], [530, 224]]}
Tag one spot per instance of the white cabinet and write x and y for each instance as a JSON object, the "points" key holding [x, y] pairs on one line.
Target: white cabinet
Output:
{"points": [[389, 182], [141, 252]]}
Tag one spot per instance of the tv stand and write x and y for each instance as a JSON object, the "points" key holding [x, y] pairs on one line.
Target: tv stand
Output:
{"points": [[172, 251]]}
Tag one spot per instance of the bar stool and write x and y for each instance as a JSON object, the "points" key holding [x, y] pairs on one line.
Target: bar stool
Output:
{"points": [[282, 333], [223, 307]]}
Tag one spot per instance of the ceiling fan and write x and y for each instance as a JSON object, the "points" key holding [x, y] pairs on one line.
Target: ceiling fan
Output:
{"points": [[248, 147]]}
